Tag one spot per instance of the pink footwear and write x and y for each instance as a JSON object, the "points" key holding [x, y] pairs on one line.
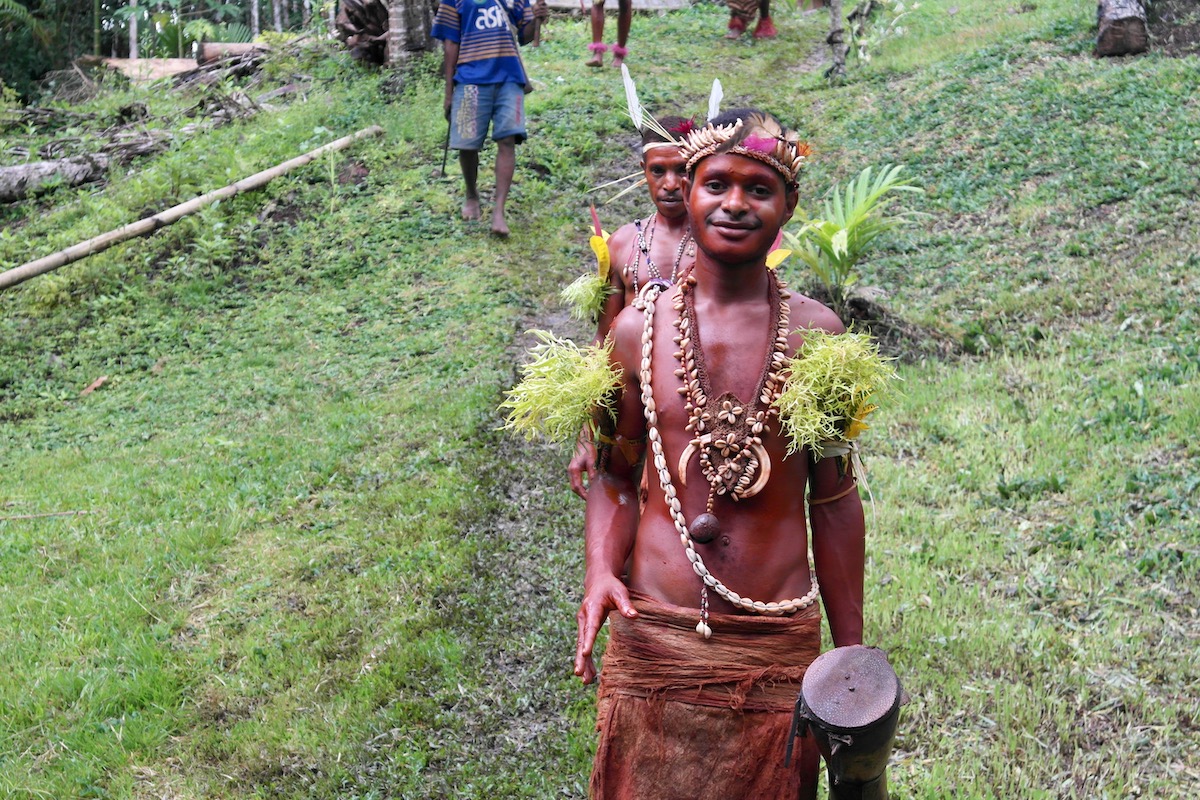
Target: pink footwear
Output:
{"points": [[765, 29], [736, 26]]}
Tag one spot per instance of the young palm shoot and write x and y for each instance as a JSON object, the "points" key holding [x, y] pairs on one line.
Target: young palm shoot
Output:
{"points": [[854, 216]]}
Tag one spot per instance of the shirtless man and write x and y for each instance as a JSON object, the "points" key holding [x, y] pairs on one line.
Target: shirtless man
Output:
{"points": [[701, 674], [658, 246]]}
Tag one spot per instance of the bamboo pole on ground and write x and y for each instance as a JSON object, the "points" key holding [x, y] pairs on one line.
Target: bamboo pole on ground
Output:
{"points": [[162, 219]]}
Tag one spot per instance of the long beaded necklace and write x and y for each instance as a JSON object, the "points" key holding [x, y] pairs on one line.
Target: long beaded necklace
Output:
{"points": [[652, 270], [697, 395], [729, 441]]}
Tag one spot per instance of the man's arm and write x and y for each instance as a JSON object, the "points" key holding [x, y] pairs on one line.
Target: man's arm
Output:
{"points": [[529, 17], [835, 515], [612, 509], [839, 548]]}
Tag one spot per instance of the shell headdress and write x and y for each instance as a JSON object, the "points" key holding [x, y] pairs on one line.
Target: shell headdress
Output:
{"points": [[757, 135]]}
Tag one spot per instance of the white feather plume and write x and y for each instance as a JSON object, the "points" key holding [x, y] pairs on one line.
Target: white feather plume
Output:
{"points": [[635, 108], [714, 99]]}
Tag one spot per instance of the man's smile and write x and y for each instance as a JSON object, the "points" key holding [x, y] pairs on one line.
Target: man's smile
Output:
{"points": [[735, 229]]}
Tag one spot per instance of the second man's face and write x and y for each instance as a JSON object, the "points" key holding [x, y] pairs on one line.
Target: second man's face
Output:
{"points": [[665, 170]]}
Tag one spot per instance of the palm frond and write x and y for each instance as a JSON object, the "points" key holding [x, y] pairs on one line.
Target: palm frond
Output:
{"points": [[854, 215], [15, 14]]}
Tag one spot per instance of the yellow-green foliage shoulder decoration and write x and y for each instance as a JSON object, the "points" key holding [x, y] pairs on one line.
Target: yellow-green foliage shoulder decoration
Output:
{"points": [[585, 296], [562, 389], [830, 389]]}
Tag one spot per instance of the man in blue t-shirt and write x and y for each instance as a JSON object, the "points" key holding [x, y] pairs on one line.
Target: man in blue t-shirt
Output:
{"points": [[485, 84]]}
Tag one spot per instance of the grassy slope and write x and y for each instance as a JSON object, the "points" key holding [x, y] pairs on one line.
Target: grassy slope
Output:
{"points": [[311, 568]]}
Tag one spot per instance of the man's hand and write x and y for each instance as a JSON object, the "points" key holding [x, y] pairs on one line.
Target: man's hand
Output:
{"points": [[447, 104], [540, 10], [606, 595], [583, 461]]}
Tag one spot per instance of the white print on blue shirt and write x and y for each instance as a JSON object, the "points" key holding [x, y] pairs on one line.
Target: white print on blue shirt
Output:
{"points": [[491, 17]]}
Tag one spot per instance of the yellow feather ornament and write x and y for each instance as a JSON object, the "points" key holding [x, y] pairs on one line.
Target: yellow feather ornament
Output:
{"points": [[777, 257], [599, 243]]}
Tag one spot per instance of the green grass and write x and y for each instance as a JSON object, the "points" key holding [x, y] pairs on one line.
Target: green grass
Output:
{"points": [[303, 562]]}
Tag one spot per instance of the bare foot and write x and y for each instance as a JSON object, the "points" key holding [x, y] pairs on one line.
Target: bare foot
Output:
{"points": [[470, 210], [499, 225], [617, 62], [595, 61]]}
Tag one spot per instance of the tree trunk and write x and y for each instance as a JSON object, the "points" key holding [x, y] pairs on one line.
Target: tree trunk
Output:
{"points": [[363, 26], [255, 30], [96, 28], [1122, 25], [277, 8], [133, 30], [837, 41], [306, 13], [34, 178]]}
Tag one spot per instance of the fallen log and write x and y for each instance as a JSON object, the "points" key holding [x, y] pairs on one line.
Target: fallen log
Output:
{"points": [[150, 69], [209, 52], [1122, 28], [162, 219], [233, 65], [27, 179]]}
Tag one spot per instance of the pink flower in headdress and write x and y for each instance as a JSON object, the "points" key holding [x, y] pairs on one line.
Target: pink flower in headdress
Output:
{"points": [[759, 144]]}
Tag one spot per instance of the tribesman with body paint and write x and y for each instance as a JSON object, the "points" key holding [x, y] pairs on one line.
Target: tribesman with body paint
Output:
{"points": [[716, 606]]}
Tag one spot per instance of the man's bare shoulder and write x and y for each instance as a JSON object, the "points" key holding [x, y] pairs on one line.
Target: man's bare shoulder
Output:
{"points": [[620, 242], [627, 327], [811, 314]]}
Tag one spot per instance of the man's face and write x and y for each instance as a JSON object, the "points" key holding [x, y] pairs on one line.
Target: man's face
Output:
{"points": [[737, 206], [665, 172]]}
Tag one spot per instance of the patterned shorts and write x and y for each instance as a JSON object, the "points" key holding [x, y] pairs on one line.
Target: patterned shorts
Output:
{"points": [[475, 106]]}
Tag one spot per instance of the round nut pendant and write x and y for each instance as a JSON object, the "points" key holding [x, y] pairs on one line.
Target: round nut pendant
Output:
{"points": [[704, 529]]}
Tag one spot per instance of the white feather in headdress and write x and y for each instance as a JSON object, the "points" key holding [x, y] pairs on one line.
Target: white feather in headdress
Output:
{"points": [[635, 108], [641, 119], [714, 99]]}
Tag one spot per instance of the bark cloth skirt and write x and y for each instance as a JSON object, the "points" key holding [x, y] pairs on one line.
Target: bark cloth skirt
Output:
{"points": [[684, 718]]}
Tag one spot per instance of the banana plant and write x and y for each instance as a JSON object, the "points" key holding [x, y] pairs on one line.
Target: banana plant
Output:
{"points": [[853, 216]]}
